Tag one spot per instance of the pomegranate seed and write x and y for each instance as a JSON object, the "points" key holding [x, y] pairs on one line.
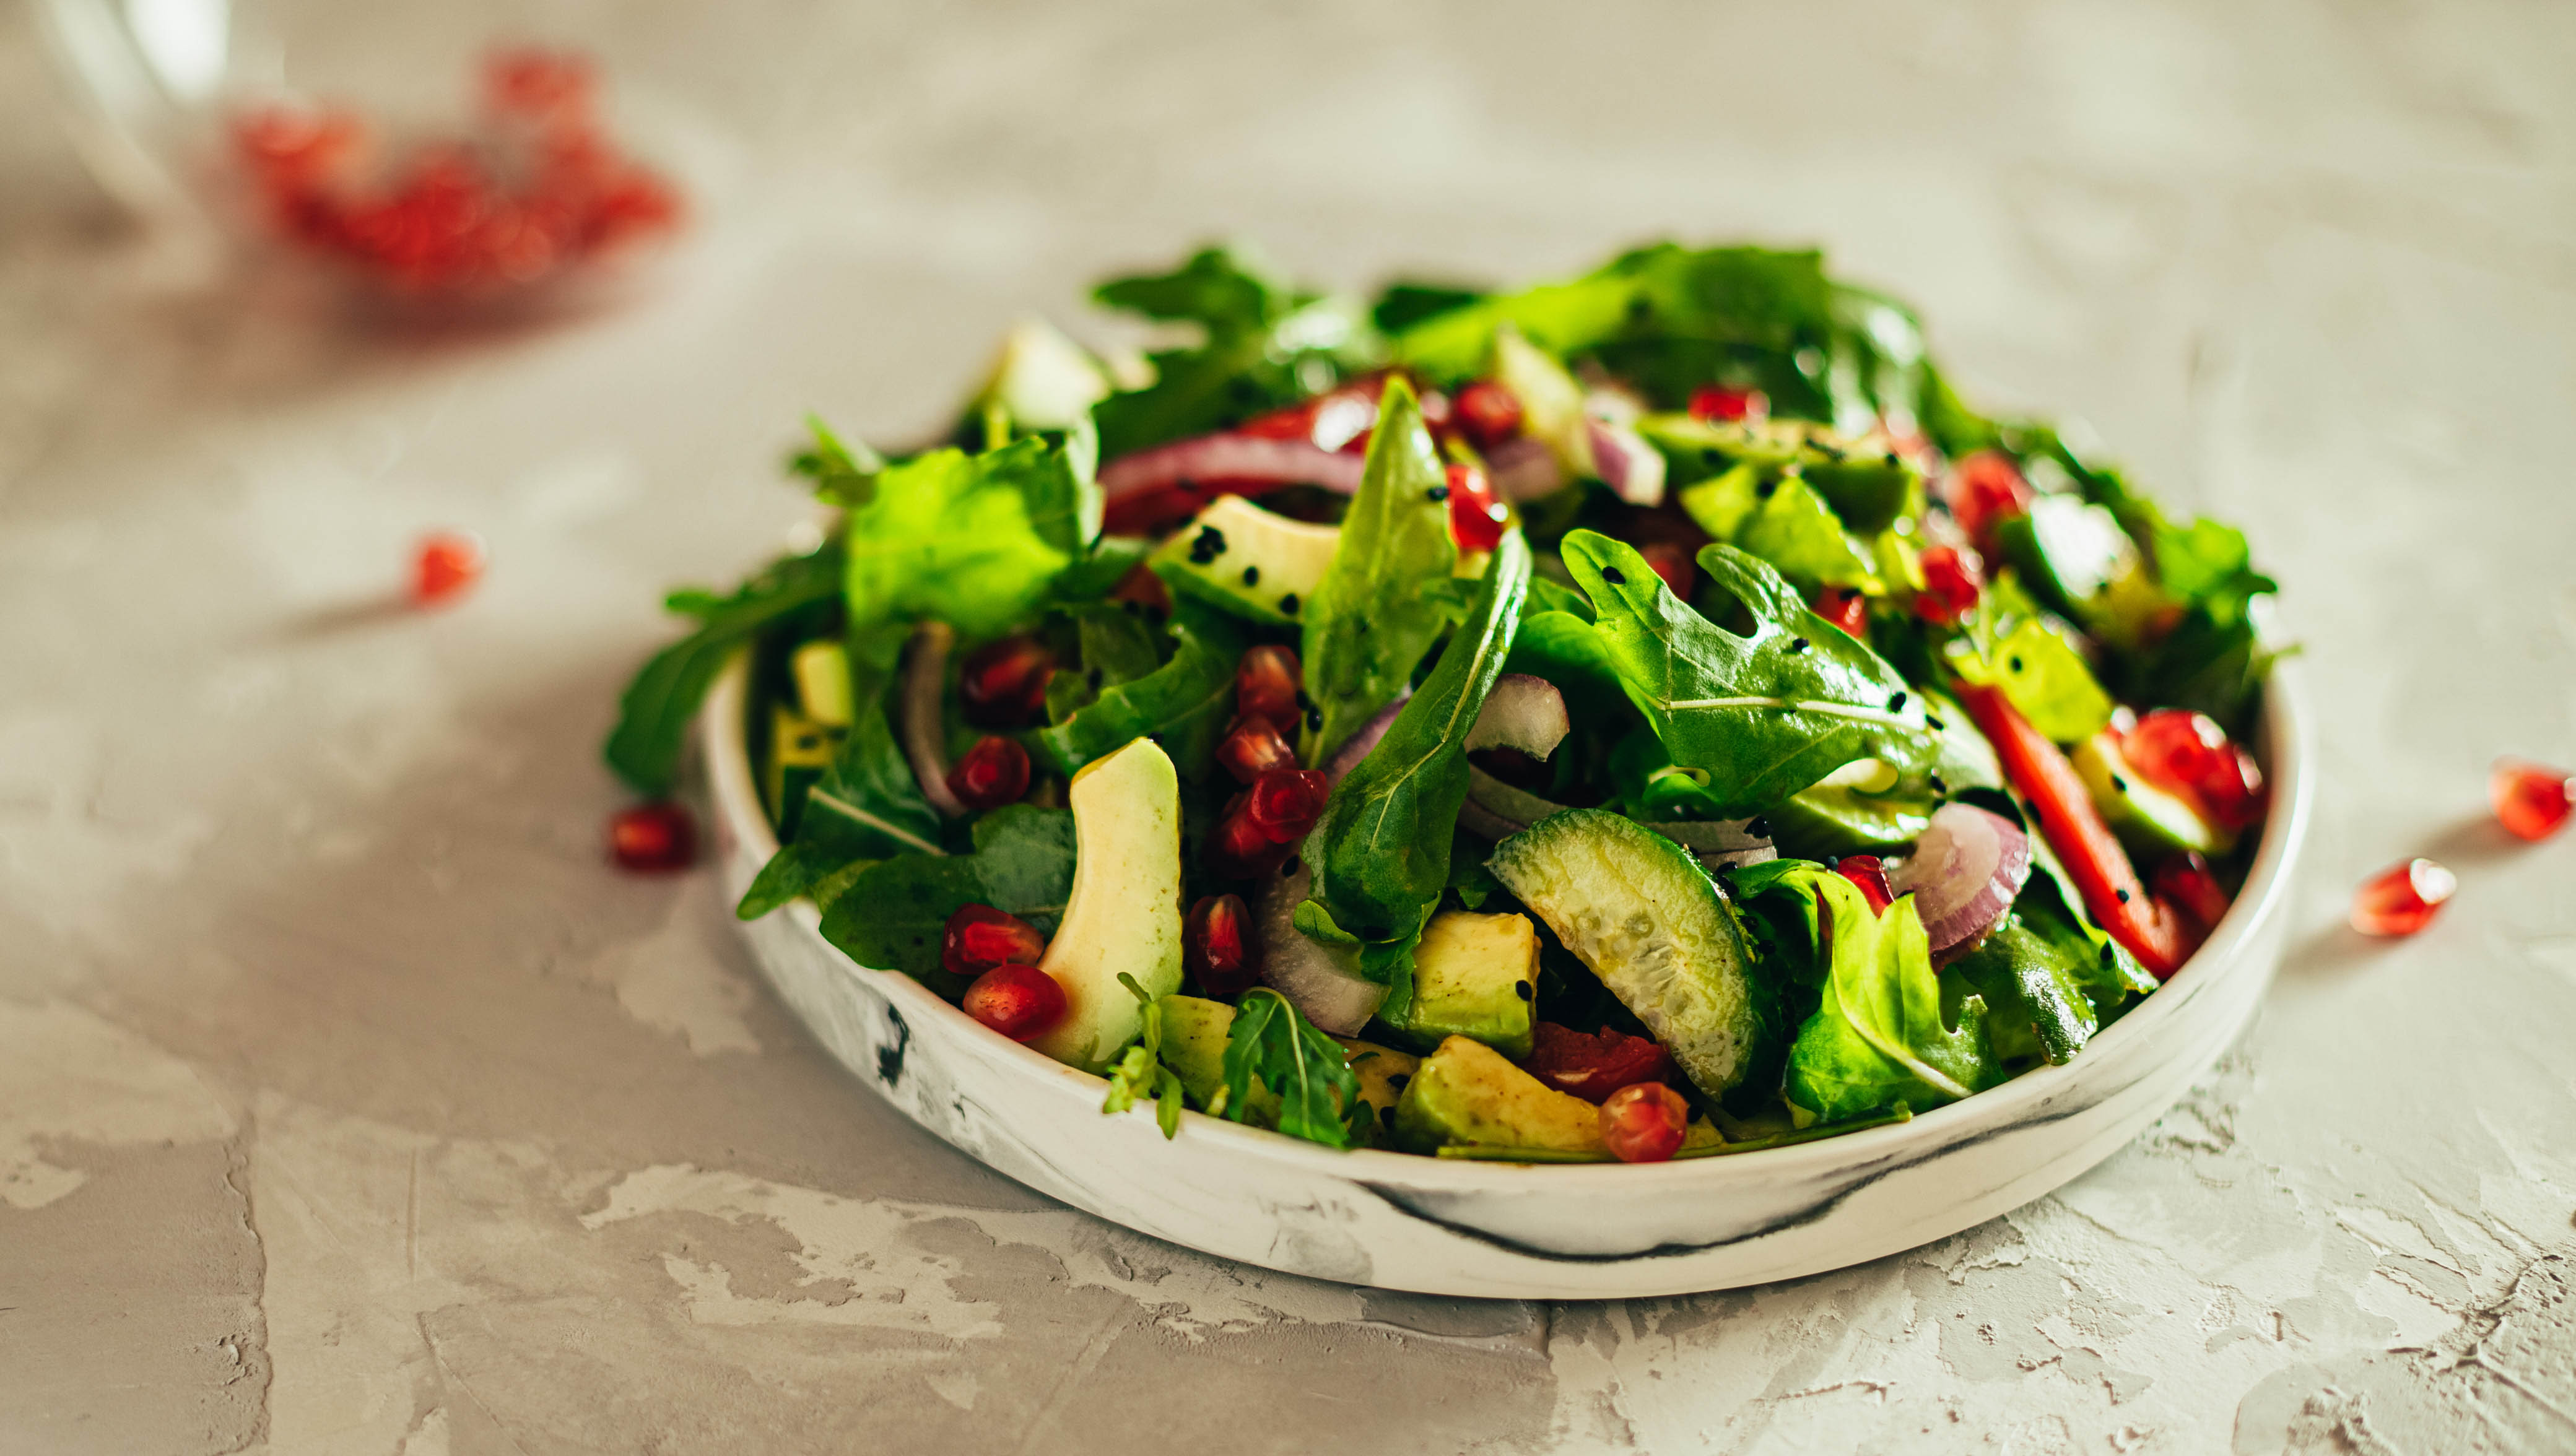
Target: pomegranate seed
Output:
{"points": [[2184, 881], [1016, 1000], [445, 565], [1253, 747], [1216, 946], [1004, 683], [1983, 491], [2188, 754], [1716, 402], [2531, 800], [1866, 871], [1953, 578], [1593, 1067], [1672, 561], [1240, 850], [1266, 686], [1488, 412], [1144, 588], [994, 772], [652, 838], [1848, 610], [979, 937], [2403, 900], [1644, 1122], [1285, 803], [1476, 519]]}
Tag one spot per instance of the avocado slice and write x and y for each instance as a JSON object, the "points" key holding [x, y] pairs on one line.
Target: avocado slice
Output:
{"points": [[1383, 1071], [1250, 561], [1468, 1094], [1124, 910], [1473, 976], [1194, 1031], [1642, 913], [822, 672], [2147, 819]]}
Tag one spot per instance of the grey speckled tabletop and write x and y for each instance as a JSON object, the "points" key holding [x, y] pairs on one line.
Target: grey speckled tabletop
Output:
{"points": [[348, 1104]]}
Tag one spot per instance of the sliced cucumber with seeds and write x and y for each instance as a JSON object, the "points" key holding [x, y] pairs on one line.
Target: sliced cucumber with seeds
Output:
{"points": [[1641, 912]]}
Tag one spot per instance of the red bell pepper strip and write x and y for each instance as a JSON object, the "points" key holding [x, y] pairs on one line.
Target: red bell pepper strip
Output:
{"points": [[2092, 855]]}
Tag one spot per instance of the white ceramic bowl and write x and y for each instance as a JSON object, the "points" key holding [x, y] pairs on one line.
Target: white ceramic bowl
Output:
{"points": [[1578, 1231]]}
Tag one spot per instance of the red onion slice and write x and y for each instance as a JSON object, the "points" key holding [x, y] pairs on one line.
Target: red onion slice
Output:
{"points": [[1324, 984], [1362, 742], [1522, 712], [925, 672], [1210, 459], [1524, 469], [1965, 871], [1627, 464]]}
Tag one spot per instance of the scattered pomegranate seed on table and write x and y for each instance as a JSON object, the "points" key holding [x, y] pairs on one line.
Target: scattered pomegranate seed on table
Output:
{"points": [[1644, 1122], [652, 838], [1016, 1000], [1267, 685], [1953, 579], [1003, 683], [1216, 946], [994, 772], [2531, 800], [2402, 900], [980, 937], [1476, 519], [444, 566]]}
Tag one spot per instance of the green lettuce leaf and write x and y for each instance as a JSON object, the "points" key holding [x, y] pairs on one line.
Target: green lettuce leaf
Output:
{"points": [[1384, 600], [1766, 715], [892, 917], [1880, 1035], [974, 541], [654, 714]]}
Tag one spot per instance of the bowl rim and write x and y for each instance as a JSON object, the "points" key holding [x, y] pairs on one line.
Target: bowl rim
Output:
{"points": [[2283, 742]]}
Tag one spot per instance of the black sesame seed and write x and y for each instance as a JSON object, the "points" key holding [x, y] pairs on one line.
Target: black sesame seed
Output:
{"points": [[1288, 604], [1438, 492], [1799, 644], [1765, 488], [1252, 576], [2124, 896], [1758, 827], [1938, 786], [2119, 785], [2014, 663], [1614, 576], [1315, 719], [1524, 990], [1935, 724], [1207, 546], [1304, 701], [1896, 704]]}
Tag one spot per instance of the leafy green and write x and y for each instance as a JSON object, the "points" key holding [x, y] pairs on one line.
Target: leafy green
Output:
{"points": [[1271, 1044], [1113, 645], [1383, 601], [893, 915], [971, 540], [1182, 705], [1139, 1074], [2036, 660], [1380, 852], [1263, 344], [867, 806], [2049, 980], [843, 474], [1402, 304], [653, 716], [1764, 715], [1798, 534], [1880, 1035]]}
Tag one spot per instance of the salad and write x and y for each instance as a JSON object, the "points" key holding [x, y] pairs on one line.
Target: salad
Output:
{"points": [[1639, 716]]}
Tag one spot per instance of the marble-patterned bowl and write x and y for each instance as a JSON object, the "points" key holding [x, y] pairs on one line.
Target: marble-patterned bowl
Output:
{"points": [[1507, 1230]]}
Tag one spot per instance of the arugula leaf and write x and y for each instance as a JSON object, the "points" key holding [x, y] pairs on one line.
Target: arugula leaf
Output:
{"points": [[1183, 705], [1380, 851], [1880, 1035], [1376, 612], [1139, 1074], [1271, 1044], [893, 915], [1766, 715], [1264, 345], [653, 715], [868, 805], [971, 540], [844, 474]]}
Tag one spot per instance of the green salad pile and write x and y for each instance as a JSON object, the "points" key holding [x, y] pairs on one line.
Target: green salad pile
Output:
{"points": [[1639, 716]]}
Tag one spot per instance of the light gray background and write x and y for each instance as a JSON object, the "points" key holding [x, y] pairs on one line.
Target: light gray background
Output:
{"points": [[348, 1104]]}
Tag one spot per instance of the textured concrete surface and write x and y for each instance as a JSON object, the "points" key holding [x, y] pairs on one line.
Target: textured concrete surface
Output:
{"points": [[348, 1104]]}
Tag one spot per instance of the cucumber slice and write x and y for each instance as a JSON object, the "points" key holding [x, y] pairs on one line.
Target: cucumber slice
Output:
{"points": [[1641, 912]]}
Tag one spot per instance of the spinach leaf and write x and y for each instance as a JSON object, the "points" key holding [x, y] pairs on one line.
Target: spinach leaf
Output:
{"points": [[1182, 705], [1764, 715], [1383, 601], [1880, 1035], [1271, 1044], [2049, 980], [867, 806], [893, 915], [1380, 852], [971, 540], [1799, 535], [654, 714], [1263, 345]]}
